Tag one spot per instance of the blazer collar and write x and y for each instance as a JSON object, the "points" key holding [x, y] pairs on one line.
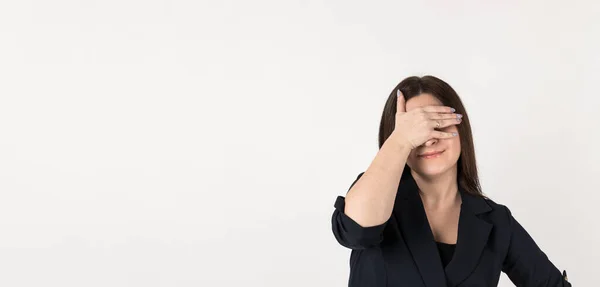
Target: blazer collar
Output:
{"points": [[473, 234]]}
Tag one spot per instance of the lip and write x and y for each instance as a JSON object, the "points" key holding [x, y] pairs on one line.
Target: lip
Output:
{"points": [[430, 154]]}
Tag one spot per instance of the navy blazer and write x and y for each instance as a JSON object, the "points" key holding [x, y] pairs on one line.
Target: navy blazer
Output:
{"points": [[402, 251]]}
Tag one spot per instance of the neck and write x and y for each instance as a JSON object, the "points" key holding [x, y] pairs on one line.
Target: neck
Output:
{"points": [[440, 191]]}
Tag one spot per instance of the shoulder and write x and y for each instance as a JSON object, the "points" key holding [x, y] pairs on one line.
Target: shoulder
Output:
{"points": [[497, 212], [495, 206]]}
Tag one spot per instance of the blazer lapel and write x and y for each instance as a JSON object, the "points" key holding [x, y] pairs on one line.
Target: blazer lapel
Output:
{"points": [[473, 234], [417, 233]]}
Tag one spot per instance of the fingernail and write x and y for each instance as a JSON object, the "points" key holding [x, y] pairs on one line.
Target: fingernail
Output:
{"points": [[398, 93], [454, 134], [459, 116], [453, 109]]}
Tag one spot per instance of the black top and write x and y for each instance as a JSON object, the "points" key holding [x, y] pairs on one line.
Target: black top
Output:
{"points": [[446, 251], [402, 250]]}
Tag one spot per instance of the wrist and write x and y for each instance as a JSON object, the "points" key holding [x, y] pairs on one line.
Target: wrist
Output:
{"points": [[400, 143]]}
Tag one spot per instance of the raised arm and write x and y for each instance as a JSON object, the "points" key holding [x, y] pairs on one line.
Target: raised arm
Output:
{"points": [[360, 217]]}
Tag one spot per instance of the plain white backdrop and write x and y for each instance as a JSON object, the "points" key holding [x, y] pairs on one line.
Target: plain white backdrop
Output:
{"points": [[203, 143]]}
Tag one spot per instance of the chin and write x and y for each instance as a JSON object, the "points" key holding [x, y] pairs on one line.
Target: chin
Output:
{"points": [[432, 171]]}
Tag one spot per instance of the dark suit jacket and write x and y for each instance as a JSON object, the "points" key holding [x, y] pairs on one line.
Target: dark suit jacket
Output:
{"points": [[402, 251]]}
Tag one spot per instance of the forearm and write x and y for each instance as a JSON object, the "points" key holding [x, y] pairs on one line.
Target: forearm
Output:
{"points": [[371, 200]]}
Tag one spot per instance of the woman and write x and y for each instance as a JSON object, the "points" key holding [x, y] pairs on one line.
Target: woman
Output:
{"points": [[417, 215]]}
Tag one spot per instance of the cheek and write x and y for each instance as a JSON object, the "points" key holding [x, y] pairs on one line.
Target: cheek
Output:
{"points": [[454, 147], [453, 143]]}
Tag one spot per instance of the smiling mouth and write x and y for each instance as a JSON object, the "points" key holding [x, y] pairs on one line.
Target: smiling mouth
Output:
{"points": [[431, 155]]}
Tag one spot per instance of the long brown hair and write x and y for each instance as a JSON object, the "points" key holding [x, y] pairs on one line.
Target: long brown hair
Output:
{"points": [[413, 86]]}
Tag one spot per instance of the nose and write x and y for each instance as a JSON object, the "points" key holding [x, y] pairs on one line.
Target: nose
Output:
{"points": [[430, 142]]}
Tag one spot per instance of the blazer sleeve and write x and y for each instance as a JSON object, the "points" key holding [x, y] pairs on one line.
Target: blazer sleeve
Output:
{"points": [[525, 263], [348, 232]]}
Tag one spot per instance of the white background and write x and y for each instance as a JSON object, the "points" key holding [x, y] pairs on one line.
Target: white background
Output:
{"points": [[203, 143]]}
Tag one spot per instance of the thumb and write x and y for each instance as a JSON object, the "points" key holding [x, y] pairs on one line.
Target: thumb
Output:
{"points": [[400, 103]]}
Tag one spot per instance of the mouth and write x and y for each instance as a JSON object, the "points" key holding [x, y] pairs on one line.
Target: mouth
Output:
{"points": [[432, 154]]}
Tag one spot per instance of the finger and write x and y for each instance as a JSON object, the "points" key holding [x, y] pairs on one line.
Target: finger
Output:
{"points": [[400, 103], [444, 116], [438, 109], [445, 123], [443, 135]]}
